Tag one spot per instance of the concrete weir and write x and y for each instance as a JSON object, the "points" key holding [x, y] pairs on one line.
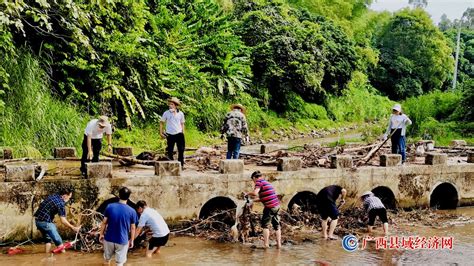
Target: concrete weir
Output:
{"points": [[192, 194]]}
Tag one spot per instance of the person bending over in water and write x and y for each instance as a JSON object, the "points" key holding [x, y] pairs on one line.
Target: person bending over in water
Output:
{"points": [[327, 198], [52, 205], [374, 207], [151, 218]]}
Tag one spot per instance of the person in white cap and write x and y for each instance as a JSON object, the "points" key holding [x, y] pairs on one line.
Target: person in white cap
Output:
{"points": [[374, 207], [174, 133], [398, 126], [92, 142]]}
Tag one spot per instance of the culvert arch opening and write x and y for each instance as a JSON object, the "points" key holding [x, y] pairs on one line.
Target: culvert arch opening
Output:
{"points": [[306, 201], [106, 203], [219, 205], [385, 194], [444, 196]]}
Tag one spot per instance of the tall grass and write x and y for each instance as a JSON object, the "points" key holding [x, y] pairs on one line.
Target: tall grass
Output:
{"points": [[434, 106], [34, 122], [359, 102], [435, 114]]}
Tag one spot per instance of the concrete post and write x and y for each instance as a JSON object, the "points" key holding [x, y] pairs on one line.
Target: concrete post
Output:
{"points": [[267, 148], [19, 173], [470, 156], [7, 154], [168, 168], [231, 166], [458, 143], [341, 161], [436, 158], [430, 145], [289, 164], [99, 170], [123, 151], [64, 152], [389, 160]]}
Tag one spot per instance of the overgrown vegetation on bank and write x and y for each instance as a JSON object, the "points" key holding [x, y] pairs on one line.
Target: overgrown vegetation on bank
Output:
{"points": [[296, 65]]}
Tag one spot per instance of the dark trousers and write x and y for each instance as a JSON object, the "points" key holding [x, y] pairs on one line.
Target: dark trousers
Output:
{"points": [[398, 143], [233, 148], [177, 139], [96, 147]]}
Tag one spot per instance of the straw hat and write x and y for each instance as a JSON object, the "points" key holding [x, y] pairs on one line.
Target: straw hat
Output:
{"points": [[397, 107], [367, 193], [103, 121], [238, 106], [174, 100]]}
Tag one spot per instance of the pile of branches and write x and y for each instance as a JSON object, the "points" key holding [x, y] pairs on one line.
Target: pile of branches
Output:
{"points": [[351, 221], [218, 226], [211, 228], [88, 237]]}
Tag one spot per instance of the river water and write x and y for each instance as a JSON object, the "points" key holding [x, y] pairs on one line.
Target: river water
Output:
{"points": [[193, 251]]}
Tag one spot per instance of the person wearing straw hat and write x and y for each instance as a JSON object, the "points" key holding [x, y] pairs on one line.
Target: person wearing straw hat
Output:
{"points": [[235, 128], [397, 129], [92, 142], [374, 207], [174, 133]]}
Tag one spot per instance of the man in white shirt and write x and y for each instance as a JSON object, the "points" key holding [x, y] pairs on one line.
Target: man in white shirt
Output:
{"points": [[174, 134], [151, 218], [92, 143], [397, 127]]}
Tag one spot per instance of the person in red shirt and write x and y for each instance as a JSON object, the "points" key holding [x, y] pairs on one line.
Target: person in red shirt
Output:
{"points": [[267, 195]]}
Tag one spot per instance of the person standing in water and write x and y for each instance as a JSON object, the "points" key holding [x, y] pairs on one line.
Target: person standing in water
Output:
{"points": [[265, 193], [397, 127], [117, 230], [174, 132], [44, 216]]}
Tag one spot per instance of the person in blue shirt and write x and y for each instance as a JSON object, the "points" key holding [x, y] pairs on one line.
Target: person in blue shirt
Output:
{"points": [[44, 216], [119, 220]]}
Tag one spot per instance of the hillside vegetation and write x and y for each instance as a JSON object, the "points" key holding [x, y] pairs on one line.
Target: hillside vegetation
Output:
{"points": [[294, 64]]}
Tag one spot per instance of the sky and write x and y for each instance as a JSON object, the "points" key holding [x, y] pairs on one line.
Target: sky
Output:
{"points": [[436, 8]]}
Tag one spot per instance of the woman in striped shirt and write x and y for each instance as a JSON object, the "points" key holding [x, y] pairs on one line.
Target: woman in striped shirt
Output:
{"points": [[267, 195], [374, 207]]}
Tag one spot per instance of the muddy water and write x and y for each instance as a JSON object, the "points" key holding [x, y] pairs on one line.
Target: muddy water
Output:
{"points": [[185, 250]]}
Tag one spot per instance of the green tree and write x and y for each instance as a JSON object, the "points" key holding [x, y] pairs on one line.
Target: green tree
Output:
{"points": [[126, 57], [418, 3], [445, 24], [467, 103], [295, 52], [415, 57]]}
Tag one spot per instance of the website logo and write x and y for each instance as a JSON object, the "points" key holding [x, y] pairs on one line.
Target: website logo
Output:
{"points": [[350, 243]]}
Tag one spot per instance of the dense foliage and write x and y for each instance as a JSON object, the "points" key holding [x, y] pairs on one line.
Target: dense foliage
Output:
{"points": [[415, 57], [288, 61]]}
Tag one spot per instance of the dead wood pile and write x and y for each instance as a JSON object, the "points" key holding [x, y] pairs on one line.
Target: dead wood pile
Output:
{"points": [[298, 223]]}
